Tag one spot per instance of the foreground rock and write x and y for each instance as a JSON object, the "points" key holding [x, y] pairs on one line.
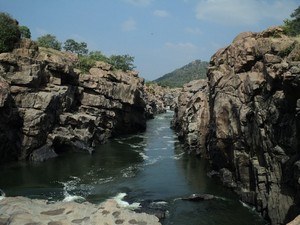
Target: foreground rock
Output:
{"points": [[249, 123], [20, 210], [46, 106]]}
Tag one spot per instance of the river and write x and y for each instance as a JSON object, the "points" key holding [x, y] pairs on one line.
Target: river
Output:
{"points": [[147, 166]]}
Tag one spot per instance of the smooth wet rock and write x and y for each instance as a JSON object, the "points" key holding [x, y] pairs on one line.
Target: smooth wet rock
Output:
{"points": [[199, 197], [157, 208]]}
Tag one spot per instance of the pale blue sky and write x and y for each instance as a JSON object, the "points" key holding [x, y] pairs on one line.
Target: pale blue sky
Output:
{"points": [[162, 35]]}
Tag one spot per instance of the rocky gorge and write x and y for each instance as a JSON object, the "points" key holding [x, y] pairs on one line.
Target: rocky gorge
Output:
{"points": [[47, 106], [245, 120]]}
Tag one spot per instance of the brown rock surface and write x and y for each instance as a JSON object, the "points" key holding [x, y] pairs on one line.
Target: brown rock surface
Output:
{"points": [[58, 107], [159, 99], [20, 210], [191, 118], [254, 107]]}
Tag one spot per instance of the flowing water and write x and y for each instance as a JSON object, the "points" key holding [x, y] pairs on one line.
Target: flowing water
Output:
{"points": [[149, 166]]}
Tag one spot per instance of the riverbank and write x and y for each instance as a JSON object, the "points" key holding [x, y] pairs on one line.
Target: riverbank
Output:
{"points": [[21, 210]]}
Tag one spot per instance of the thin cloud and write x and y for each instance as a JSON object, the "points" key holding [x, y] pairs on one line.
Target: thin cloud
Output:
{"points": [[181, 46], [129, 25], [195, 31], [248, 12], [161, 13], [139, 2]]}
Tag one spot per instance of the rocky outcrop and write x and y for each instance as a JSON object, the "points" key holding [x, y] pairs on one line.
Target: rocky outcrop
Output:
{"points": [[253, 134], [20, 210], [159, 99], [191, 117], [53, 106]]}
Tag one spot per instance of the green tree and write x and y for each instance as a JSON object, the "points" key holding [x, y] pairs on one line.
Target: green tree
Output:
{"points": [[292, 27], [25, 32], [49, 41], [9, 32], [98, 56], [122, 62], [86, 62], [76, 47]]}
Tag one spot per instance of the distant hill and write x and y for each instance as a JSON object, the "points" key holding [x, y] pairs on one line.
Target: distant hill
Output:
{"points": [[192, 71]]}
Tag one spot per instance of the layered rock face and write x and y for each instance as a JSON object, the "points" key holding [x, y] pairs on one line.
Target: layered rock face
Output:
{"points": [[253, 127], [191, 117], [49, 106], [159, 99]]}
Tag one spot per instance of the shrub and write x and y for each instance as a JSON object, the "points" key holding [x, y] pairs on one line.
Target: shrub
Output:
{"points": [[9, 32], [292, 27], [25, 32], [49, 41]]}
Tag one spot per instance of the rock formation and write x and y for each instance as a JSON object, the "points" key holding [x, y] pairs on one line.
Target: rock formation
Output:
{"points": [[249, 122], [191, 117], [20, 210], [159, 99], [47, 106]]}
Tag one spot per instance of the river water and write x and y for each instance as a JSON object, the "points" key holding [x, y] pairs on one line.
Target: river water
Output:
{"points": [[148, 166]]}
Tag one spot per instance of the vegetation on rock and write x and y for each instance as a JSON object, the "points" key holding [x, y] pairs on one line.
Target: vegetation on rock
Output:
{"points": [[73, 46], [49, 41], [192, 71], [9, 32], [25, 32], [292, 26], [119, 62]]}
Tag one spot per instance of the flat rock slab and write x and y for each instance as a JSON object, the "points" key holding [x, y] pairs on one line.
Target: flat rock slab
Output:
{"points": [[21, 210]]}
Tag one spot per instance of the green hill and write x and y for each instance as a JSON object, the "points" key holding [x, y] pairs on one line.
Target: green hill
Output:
{"points": [[192, 71]]}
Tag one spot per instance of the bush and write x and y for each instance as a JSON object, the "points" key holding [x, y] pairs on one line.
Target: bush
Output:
{"points": [[85, 63], [25, 32], [292, 27], [118, 62], [9, 32], [49, 41], [122, 62], [72, 46]]}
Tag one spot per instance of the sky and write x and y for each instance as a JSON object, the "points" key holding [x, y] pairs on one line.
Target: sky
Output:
{"points": [[162, 35]]}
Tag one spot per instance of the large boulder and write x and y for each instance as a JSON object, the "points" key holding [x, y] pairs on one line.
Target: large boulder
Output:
{"points": [[253, 127]]}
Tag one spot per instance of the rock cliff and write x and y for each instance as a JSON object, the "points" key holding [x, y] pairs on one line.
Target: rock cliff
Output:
{"points": [[47, 106], [246, 119], [159, 99]]}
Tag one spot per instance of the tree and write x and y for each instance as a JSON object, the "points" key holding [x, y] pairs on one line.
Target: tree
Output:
{"points": [[122, 62], [292, 27], [72, 46], [98, 56], [25, 32], [86, 62], [49, 41], [9, 32]]}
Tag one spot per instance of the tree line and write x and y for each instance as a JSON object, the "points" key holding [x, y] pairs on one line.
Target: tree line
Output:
{"points": [[11, 33]]}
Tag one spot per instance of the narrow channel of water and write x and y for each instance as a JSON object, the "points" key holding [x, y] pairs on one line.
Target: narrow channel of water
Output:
{"points": [[148, 166]]}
